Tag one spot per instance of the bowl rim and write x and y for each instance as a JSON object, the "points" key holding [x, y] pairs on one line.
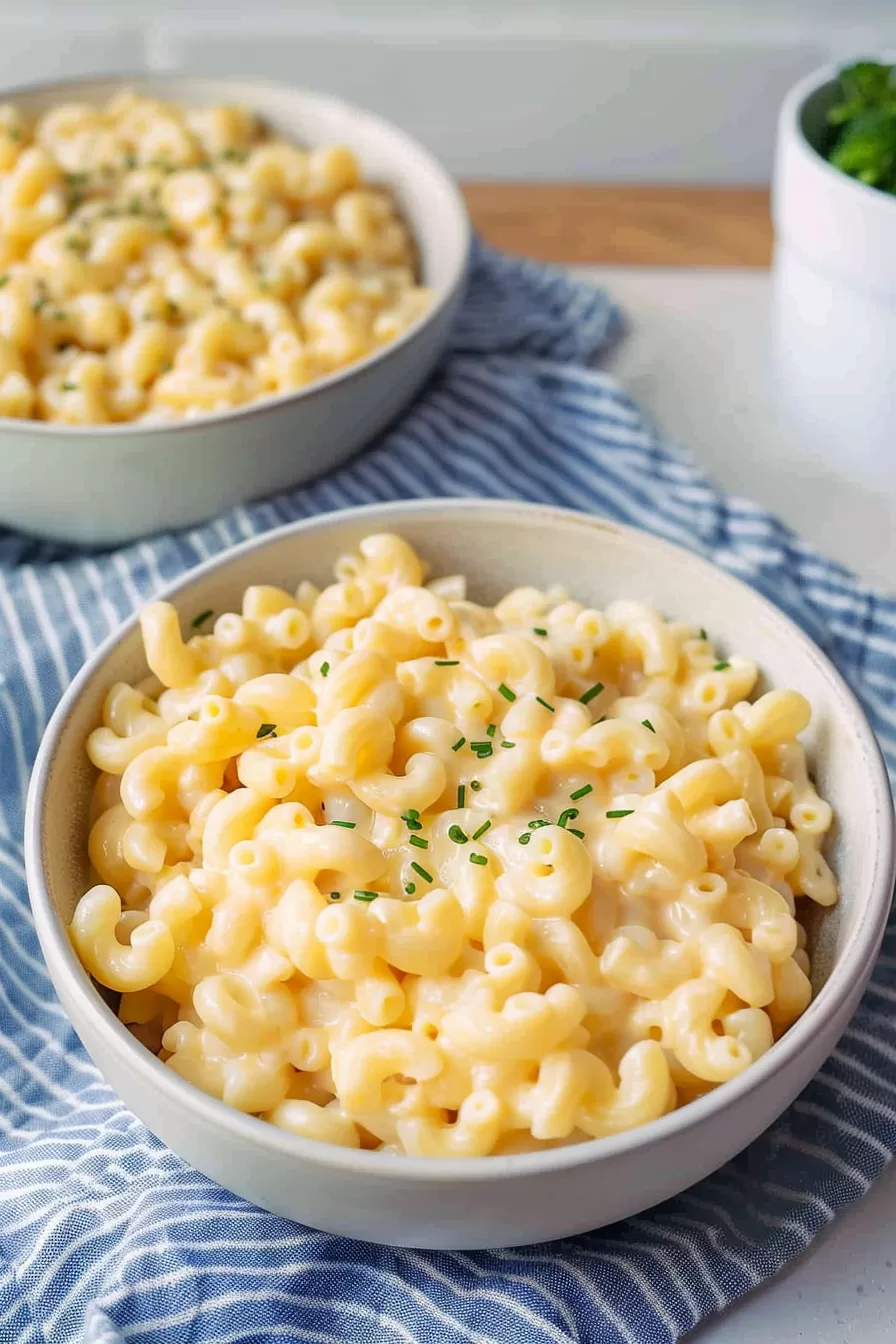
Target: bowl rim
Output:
{"points": [[791, 125], [443, 297], [851, 967]]}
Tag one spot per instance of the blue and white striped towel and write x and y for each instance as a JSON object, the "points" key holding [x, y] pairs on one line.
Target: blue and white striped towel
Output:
{"points": [[105, 1235]]}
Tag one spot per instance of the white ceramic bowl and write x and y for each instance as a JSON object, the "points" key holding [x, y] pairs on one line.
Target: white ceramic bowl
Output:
{"points": [[503, 1200], [105, 484], [834, 295]]}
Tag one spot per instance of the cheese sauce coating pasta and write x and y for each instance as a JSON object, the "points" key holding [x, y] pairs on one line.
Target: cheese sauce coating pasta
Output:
{"points": [[159, 262], [389, 868]]}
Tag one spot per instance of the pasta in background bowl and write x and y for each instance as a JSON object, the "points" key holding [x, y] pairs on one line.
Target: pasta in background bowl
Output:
{"points": [[459, 961], [209, 290]]}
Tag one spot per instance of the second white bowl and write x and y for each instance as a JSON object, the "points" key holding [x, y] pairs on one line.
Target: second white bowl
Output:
{"points": [[103, 484]]}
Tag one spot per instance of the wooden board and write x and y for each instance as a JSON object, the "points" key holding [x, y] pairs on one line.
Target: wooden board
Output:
{"points": [[624, 225]]}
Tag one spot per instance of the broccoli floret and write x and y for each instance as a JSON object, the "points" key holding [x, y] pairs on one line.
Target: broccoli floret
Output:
{"points": [[864, 145]]}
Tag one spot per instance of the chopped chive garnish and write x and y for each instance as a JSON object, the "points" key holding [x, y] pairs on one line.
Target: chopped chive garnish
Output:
{"points": [[324, 669], [267, 730], [412, 823], [581, 793], [461, 794], [479, 859], [482, 749], [447, 662], [525, 837], [572, 830], [410, 888], [69, 387], [458, 744], [703, 635], [491, 730], [620, 812], [334, 895], [366, 895], [648, 724], [421, 872], [721, 667], [603, 718], [508, 744], [419, 842], [539, 630], [412, 813], [457, 835], [348, 825], [568, 814], [544, 704], [507, 693], [587, 696], [537, 825], [475, 785], [486, 826], [201, 618]]}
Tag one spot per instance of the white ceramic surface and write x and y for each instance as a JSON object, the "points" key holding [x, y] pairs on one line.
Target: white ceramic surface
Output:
{"points": [[105, 484], [531, 1197], [834, 305]]}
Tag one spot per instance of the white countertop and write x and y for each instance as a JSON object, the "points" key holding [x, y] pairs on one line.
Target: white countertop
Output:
{"points": [[695, 360]]}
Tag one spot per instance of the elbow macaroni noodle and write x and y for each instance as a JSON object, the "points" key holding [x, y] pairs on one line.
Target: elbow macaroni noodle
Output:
{"points": [[158, 262], [393, 870]]}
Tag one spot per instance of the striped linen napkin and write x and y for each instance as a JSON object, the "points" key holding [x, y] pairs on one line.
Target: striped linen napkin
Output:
{"points": [[107, 1236]]}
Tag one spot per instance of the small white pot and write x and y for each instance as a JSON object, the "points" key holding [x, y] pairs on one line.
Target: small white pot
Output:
{"points": [[834, 296]]}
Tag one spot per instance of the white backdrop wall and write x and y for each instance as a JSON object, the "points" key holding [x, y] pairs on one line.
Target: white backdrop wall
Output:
{"points": [[553, 89]]}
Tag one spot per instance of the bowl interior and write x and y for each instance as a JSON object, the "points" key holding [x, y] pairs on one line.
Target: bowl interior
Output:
{"points": [[428, 198], [500, 546], [813, 116]]}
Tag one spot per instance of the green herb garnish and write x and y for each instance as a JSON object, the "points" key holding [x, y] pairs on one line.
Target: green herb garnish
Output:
{"points": [[508, 744], [620, 812], [267, 730], [201, 618], [703, 635], [525, 837], [544, 704], [572, 830], [537, 825], [539, 630], [568, 814], [486, 826], [410, 888], [421, 872], [69, 387], [507, 693], [419, 842], [4, 280], [458, 744], [491, 730], [366, 895], [348, 825], [461, 794], [475, 785], [647, 724], [324, 669], [457, 835], [447, 662], [862, 138], [478, 859], [581, 793], [587, 696], [721, 667]]}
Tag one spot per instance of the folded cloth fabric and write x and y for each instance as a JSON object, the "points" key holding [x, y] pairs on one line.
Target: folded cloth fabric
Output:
{"points": [[107, 1236]]}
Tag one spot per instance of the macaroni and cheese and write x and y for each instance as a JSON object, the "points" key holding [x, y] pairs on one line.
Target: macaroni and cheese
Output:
{"points": [[158, 262], [392, 869]]}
